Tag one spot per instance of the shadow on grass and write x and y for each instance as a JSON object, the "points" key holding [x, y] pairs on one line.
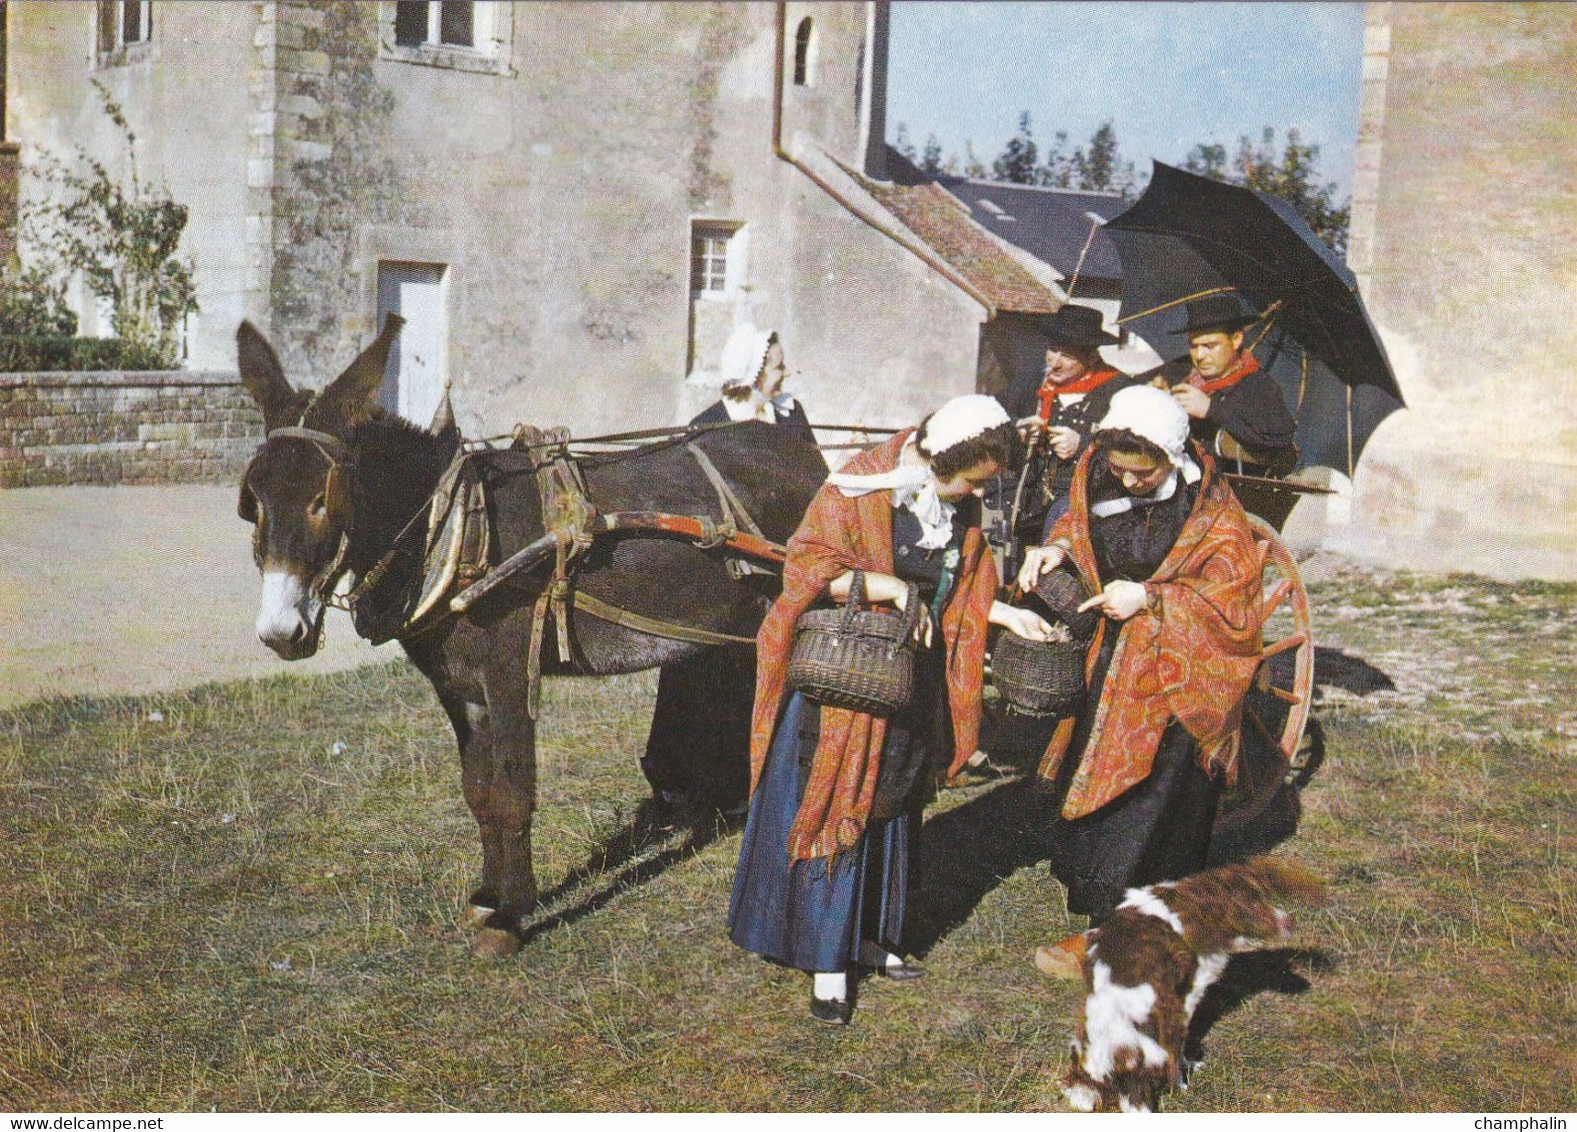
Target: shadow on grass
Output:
{"points": [[1353, 674], [1249, 975], [622, 861], [966, 852], [1278, 821]]}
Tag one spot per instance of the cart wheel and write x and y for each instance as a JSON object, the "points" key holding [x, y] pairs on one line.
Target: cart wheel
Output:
{"points": [[1276, 707]]}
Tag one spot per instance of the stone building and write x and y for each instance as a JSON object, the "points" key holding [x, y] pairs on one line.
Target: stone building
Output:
{"points": [[571, 205], [1464, 239]]}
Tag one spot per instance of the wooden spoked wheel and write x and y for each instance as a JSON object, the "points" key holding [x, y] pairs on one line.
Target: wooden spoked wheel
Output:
{"points": [[1276, 707]]}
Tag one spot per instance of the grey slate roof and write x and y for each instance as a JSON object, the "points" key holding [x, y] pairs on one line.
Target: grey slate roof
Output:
{"points": [[1051, 224]]}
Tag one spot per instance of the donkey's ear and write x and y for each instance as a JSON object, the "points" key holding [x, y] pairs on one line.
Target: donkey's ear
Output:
{"points": [[348, 399], [263, 376]]}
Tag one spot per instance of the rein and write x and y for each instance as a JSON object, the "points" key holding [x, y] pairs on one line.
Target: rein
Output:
{"points": [[567, 494]]}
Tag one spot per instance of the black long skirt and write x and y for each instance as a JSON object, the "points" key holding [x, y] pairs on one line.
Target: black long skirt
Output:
{"points": [[1157, 830]]}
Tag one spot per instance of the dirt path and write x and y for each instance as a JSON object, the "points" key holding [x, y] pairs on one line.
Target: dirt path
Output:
{"points": [[122, 590]]}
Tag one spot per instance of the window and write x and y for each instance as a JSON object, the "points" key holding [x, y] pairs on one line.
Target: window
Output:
{"points": [[466, 35], [123, 25], [712, 248], [414, 378], [802, 58], [450, 23]]}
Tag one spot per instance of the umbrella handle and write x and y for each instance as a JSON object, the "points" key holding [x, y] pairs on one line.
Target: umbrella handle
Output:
{"points": [[1023, 475]]}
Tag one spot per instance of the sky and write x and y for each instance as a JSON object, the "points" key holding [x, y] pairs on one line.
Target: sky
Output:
{"points": [[1167, 75]]}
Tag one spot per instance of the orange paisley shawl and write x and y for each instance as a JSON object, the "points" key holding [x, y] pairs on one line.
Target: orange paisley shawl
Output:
{"points": [[1189, 657], [841, 533]]}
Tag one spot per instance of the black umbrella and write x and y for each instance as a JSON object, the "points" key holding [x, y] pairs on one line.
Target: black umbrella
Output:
{"points": [[1188, 236]]}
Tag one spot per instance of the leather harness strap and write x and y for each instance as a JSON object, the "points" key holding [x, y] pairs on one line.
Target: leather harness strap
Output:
{"points": [[631, 620], [709, 535], [567, 515], [334, 450], [570, 522], [734, 513]]}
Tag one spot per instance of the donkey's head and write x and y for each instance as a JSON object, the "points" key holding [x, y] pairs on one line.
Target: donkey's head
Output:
{"points": [[298, 490]]}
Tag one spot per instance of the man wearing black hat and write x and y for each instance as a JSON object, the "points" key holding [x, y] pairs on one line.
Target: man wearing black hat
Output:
{"points": [[1235, 409], [1074, 396]]}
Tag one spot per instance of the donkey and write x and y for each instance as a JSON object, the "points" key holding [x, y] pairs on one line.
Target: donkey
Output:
{"points": [[335, 486]]}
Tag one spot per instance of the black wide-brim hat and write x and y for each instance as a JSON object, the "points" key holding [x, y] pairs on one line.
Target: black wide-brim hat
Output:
{"points": [[1074, 325], [1216, 312]]}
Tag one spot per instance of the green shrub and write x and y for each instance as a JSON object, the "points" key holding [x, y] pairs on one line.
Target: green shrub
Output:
{"points": [[123, 238], [33, 303], [40, 353]]}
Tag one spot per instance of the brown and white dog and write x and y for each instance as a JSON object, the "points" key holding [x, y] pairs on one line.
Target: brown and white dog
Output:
{"points": [[1147, 968]]}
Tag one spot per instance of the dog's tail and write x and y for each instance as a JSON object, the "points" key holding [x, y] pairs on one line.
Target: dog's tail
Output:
{"points": [[1284, 880], [1226, 908]]}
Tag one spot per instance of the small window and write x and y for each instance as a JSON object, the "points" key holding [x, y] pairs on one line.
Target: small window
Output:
{"points": [[429, 21], [465, 35], [123, 24], [802, 47], [713, 257]]}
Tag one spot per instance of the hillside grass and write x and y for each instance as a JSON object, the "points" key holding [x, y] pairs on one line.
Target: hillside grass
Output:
{"points": [[207, 901]]}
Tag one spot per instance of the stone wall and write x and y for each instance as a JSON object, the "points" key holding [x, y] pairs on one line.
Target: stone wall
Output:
{"points": [[1465, 245], [9, 166], [125, 428]]}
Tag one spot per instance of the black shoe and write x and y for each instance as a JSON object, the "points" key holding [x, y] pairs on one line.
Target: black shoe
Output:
{"points": [[832, 1011], [904, 971]]}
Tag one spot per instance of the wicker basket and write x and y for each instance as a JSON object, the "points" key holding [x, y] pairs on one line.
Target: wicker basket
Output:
{"points": [[1063, 593], [1039, 678], [853, 658]]}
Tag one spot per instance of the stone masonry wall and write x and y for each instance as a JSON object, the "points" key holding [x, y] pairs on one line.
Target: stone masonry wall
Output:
{"points": [[125, 428], [1465, 245]]}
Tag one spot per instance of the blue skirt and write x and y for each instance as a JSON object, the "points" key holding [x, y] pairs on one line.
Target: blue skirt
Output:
{"points": [[813, 914]]}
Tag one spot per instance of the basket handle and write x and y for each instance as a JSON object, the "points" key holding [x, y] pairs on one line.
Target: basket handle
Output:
{"points": [[853, 602], [912, 610]]}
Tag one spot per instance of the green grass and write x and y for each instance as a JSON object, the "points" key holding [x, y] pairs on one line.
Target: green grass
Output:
{"points": [[219, 910]]}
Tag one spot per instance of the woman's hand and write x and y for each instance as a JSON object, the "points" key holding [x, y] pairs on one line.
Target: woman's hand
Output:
{"points": [[1064, 441], [1037, 560], [885, 587], [878, 587], [1025, 623], [1119, 600]]}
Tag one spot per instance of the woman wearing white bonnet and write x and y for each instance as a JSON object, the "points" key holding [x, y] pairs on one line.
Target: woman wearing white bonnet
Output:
{"points": [[754, 371], [823, 865], [1156, 535], [681, 755]]}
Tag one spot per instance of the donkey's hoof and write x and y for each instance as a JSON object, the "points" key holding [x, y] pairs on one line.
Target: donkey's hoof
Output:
{"points": [[477, 915], [496, 943]]}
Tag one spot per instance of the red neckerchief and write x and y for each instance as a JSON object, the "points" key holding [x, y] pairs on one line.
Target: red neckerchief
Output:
{"points": [[1247, 364], [1049, 393]]}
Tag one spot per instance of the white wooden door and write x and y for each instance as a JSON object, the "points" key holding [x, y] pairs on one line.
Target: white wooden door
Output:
{"points": [[415, 375]]}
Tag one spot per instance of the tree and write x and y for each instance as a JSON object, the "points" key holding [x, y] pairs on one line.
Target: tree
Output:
{"points": [[973, 166], [1208, 159], [1292, 174], [902, 143], [1101, 167], [123, 239], [931, 158], [1019, 157], [1096, 168], [1057, 168]]}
